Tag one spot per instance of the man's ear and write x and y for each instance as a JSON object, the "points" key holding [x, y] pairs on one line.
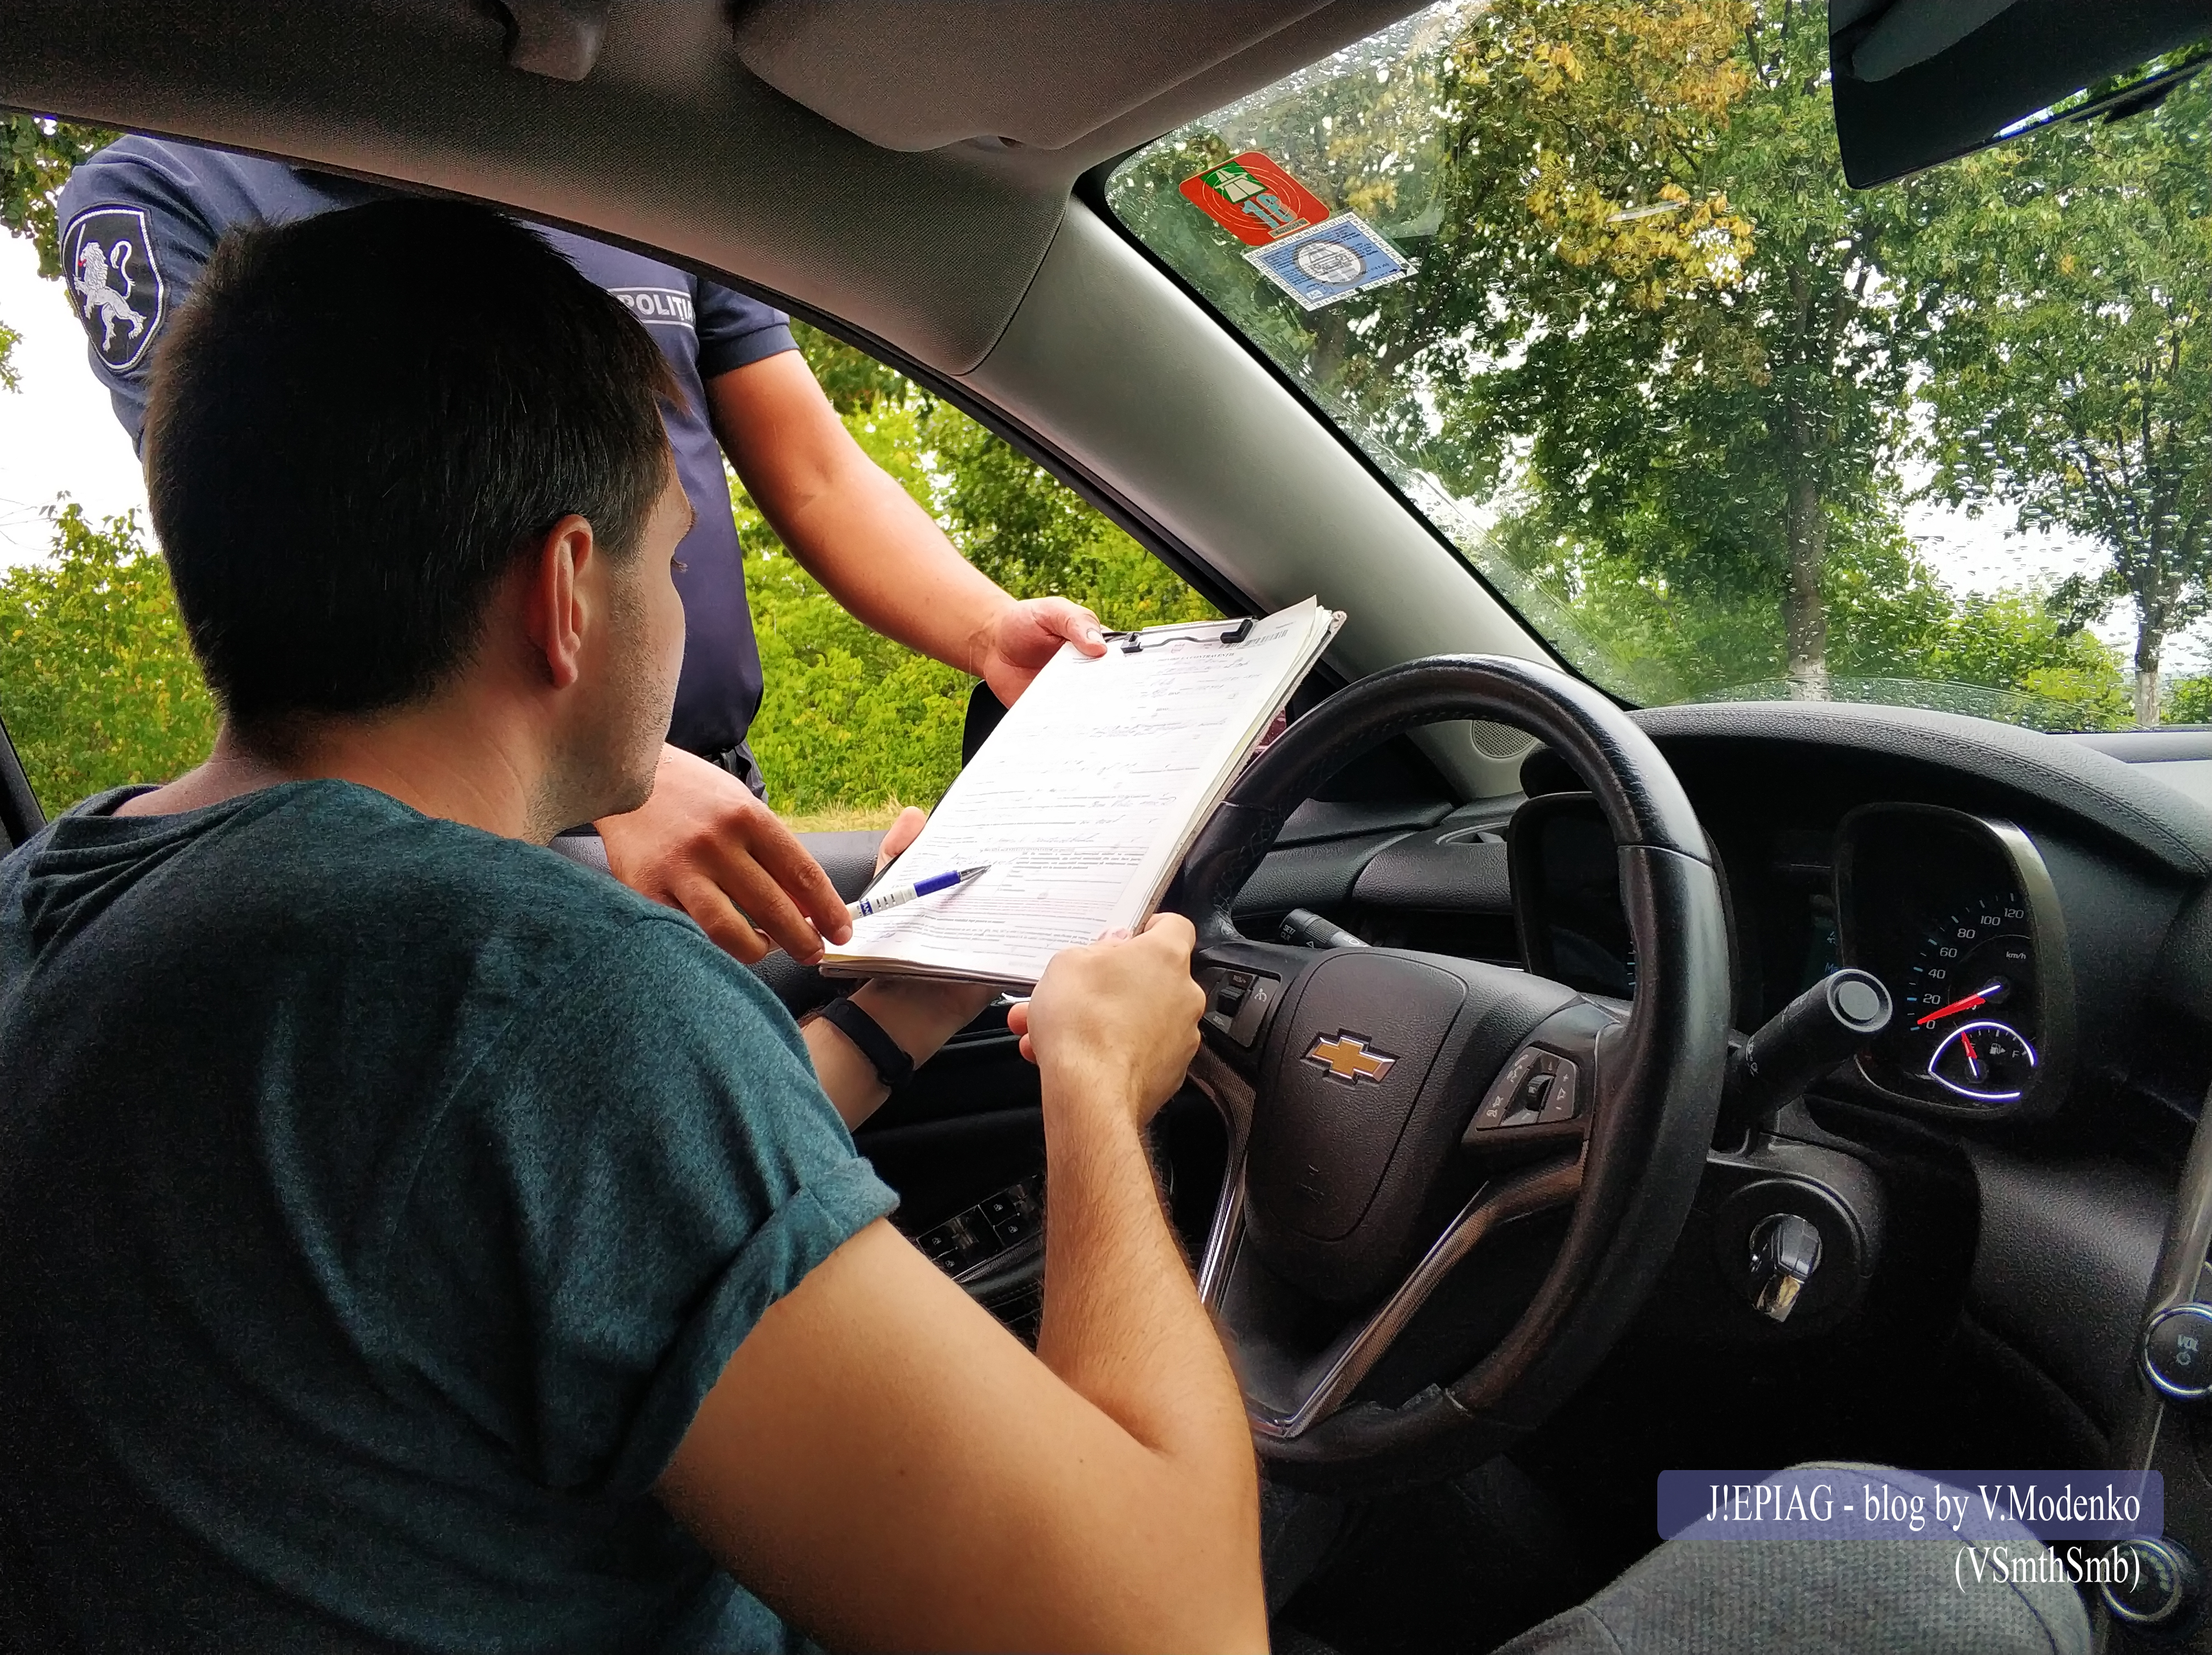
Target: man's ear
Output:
{"points": [[561, 598]]}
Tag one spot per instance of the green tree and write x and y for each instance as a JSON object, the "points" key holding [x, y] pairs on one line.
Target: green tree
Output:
{"points": [[97, 682], [1895, 633], [854, 381], [2070, 376], [1650, 334], [1693, 338], [1643, 295], [2189, 700]]}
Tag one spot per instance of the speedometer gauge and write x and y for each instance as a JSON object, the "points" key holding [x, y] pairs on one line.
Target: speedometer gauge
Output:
{"points": [[1973, 959], [1971, 984]]}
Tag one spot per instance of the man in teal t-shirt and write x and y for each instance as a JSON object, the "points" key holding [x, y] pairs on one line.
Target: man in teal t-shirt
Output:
{"points": [[537, 1155], [409, 1239]]}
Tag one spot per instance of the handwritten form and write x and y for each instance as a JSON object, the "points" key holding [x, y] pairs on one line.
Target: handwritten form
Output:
{"points": [[1086, 798]]}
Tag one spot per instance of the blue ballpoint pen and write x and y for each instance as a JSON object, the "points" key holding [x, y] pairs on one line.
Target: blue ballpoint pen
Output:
{"points": [[899, 895]]}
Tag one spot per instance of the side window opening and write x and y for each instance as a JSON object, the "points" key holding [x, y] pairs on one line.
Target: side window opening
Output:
{"points": [[99, 686], [851, 726]]}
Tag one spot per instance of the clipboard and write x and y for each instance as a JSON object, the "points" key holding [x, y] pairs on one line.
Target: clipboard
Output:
{"points": [[1085, 799]]}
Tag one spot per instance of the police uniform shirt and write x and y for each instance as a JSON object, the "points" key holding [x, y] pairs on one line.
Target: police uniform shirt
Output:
{"points": [[142, 217]]}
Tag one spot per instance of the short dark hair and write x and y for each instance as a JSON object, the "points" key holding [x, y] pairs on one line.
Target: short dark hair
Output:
{"points": [[356, 424]]}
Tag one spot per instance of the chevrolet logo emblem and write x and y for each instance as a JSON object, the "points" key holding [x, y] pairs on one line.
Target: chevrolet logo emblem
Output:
{"points": [[1348, 1058]]}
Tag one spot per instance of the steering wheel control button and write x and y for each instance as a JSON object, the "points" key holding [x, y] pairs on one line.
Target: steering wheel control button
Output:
{"points": [[1227, 998], [1238, 1002], [1560, 1097], [1505, 1092], [2177, 1353], [2157, 1587], [1537, 1087]]}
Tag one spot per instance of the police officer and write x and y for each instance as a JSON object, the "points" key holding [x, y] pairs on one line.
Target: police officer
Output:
{"points": [[140, 219]]}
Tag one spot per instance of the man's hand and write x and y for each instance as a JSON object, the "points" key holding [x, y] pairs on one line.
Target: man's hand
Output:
{"points": [[1013, 648], [901, 833], [703, 844], [1117, 1022]]}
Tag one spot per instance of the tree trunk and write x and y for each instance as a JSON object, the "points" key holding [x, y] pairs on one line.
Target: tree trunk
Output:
{"points": [[2150, 639], [1804, 621], [1332, 343]]}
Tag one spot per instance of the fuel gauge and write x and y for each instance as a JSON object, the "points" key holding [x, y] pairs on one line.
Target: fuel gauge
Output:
{"points": [[1990, 1062]]}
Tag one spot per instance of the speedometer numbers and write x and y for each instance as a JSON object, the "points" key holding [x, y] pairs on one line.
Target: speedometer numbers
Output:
{"points": [[1970, 986]]}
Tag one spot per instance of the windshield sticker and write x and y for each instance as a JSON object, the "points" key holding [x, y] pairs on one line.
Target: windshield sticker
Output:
{"points": [[1253, 199], [1330, 262]]}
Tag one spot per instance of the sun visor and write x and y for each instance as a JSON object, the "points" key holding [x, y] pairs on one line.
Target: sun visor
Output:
{"points": [[921, 74], [1919, 82]]}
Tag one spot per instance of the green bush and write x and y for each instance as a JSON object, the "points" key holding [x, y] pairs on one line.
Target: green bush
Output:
{"points": [[2188, 700], [97, 683]]}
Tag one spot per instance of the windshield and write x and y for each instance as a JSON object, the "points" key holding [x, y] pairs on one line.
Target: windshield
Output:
{"points": [[1584, 278]]}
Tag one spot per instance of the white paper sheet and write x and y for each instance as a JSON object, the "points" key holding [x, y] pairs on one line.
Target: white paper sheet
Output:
{"points": [[1085, 797]]}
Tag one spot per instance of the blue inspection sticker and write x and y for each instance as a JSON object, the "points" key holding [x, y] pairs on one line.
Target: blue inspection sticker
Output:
{"points": [[1332, 260]]}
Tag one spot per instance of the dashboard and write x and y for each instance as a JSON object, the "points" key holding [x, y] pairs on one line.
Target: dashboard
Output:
{"points": [[2037, 907], [1956, 913], [1994, 1178]]}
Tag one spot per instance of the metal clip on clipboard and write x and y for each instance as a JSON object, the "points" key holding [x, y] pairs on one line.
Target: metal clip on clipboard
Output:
{"points": [[1134, 642]]}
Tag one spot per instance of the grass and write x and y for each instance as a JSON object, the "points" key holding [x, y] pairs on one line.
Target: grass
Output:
{"points": [[845, 818]]}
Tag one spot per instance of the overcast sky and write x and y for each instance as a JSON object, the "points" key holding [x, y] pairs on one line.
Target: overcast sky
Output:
{"points": [[57, 434]]}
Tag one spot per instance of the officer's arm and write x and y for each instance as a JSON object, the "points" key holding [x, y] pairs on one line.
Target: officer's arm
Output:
{"points": [[134, 239], [861, 535]]}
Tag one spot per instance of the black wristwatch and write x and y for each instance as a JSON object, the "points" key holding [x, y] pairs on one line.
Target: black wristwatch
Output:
{"points": [[892, 1066]]}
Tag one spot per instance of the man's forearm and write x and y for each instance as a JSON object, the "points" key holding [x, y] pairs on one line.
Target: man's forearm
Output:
{"points": [[921, 1016], [890, 567], [846, 520], [1122, 1321]]}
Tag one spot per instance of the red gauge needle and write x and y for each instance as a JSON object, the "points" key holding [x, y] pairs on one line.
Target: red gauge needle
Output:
{"points": [[1995, 986], [1974, 1062]]}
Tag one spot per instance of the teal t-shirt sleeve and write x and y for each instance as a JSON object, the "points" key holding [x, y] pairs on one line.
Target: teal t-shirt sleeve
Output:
{"points": [[639, 1168]]}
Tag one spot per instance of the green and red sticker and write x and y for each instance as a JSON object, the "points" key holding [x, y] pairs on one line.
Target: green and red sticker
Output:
{"points": [[1253, 199]]}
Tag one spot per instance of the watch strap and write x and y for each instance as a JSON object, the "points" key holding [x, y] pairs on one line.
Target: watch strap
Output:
{"points": [[892, 1065]]}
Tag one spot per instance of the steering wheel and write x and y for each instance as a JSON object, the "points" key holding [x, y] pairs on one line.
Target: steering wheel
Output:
{"points": [[1390, 1114]]}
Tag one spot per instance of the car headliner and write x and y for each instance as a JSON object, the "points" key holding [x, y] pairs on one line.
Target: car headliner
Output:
{"points": [[997, 106], [968, 262]]}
